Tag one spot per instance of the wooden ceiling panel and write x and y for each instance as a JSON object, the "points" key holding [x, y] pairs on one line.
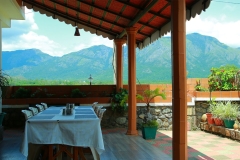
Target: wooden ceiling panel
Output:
{"points": [[157, 7], [101, 3], [123, 21], [147, 17], [157, 22], [116, 7], [95, 21], [98, 12], [72, 13], [111, 17], [83, 17], [61, 8], [147, 30], [130, 12], [167, 11], [106, 25], [85, 8]]}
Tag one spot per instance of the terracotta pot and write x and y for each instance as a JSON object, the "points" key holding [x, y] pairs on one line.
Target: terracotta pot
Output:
{"points": [[218, 122], [209, 118]]}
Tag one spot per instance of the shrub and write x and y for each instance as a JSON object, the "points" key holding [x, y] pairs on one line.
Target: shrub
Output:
{"points": [[76, 93], [224, 78], [22, 93]]}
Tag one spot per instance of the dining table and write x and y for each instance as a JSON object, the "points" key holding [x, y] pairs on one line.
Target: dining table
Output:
{"points": [[52, 126]]}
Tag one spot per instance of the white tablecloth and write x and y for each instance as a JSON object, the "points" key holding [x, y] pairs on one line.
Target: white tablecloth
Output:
{"points": [[82, 128]]}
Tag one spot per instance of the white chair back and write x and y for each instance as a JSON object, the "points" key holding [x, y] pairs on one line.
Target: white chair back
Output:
{"points": [[44, 105], [94, 105], [100, 113], [34, 110], [27, 114], [97, 109], [39, 107]]}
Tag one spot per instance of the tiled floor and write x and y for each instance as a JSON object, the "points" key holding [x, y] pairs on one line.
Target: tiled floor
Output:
{"points": [[201, 145]]}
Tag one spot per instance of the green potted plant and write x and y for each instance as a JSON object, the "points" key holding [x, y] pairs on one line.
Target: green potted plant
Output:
{"points": [[230, 111], [119, 101], [217, 109], [149, 125]]}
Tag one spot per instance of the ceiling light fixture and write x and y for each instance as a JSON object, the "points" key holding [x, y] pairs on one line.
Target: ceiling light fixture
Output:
{"points": [[77, 33]]}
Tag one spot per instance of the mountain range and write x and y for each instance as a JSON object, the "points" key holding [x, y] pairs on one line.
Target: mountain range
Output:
{"points": [[153, 62]]}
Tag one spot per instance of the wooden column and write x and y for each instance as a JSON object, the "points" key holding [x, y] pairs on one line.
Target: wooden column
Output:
{"points": [[119, 63], [132, 105], [179, 80]]}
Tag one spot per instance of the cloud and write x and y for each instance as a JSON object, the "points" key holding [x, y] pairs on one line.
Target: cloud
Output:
{"points": [[226, 32], [99, 40], [33, 40]]}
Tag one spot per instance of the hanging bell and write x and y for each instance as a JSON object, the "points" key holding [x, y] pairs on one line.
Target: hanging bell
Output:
{"points": [[77, 33]]}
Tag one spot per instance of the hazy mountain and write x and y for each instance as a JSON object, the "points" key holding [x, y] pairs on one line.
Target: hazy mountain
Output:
{"points": [[153, 62]]}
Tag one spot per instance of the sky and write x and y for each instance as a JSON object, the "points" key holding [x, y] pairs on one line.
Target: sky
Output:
{"points": [[221, 20]]}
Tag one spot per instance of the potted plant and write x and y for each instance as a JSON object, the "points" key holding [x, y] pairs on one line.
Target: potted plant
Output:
{"points": [[217, 109], [149, 125], [119, 101], [230, 111]]}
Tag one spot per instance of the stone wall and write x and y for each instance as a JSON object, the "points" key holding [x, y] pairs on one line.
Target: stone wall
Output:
{"points": [[163, 115]]}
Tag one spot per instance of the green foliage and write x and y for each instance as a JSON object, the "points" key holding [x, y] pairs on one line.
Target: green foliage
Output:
{"points": [[22, 93], [224, 78], [119, 101], [76, 93], [151, 123], [4, 79], [198, 86], [41, 93], [224, 110], [148, 95]]}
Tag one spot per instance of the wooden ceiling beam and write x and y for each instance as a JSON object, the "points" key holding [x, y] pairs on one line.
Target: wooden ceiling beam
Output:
{"points": [[114, 13], [137, 7], [55, 12], [81, 12], [138, 17]]}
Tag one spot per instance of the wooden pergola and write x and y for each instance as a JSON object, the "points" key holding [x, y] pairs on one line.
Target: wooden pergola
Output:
{"points": [[137, 23]]}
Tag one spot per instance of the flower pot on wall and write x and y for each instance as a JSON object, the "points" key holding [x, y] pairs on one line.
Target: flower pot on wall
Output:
{"points": [[229, 123], [149, 132], [209, 118], [218, 122]]}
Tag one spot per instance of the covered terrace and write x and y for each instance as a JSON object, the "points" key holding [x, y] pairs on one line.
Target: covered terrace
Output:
{"points": [[138, 24]]}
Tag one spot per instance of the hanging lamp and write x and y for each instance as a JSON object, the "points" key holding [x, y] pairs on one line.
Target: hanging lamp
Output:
{"points": [[77, 33]]}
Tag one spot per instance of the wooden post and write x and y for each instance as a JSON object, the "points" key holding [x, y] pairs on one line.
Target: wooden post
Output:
{"points": [[119, 63], [179, 80], [132, 105]]}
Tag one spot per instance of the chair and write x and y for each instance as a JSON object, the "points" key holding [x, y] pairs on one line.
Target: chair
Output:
{"points": [[44, 105], [28, 114], [34, 110], [97, 109], [100, 113], [94, 105], [39, 107]]}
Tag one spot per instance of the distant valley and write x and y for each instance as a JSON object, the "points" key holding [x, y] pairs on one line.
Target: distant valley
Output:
{"points": [[153, 62]]}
